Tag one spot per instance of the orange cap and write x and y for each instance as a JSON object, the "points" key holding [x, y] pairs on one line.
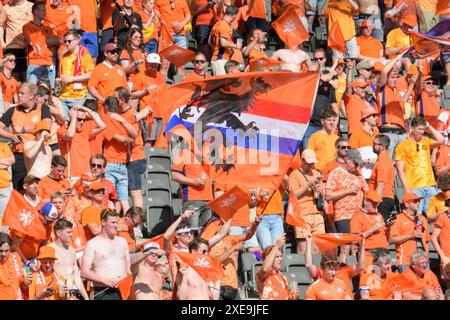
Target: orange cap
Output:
{"points": [[367, 112], [413, 69], [97, 186], [47, 252], [41, 126], [410, 197], [359, 84], [340, 60], [372, 195], [263, 62], [428, 77], [378, 66], [367, 23]]}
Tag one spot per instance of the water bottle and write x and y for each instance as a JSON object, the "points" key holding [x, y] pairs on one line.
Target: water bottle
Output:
{"points": [[419, 227]]}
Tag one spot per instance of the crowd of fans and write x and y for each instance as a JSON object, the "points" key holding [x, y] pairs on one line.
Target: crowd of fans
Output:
{"points": [[81, 82]]}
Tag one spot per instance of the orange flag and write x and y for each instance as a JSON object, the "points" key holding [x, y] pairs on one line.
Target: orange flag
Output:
{"points": [[177, 55], [258, 10], [22, 217], [165, 39], [290, 29], [328, 241], [227, 204], [443, 7], [158, 239], [336, 39], [263, 63], [209, 268], [125, 286], [293, 217]]}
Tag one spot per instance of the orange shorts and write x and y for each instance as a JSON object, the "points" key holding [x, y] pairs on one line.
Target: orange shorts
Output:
{"points": [[314, 224]]}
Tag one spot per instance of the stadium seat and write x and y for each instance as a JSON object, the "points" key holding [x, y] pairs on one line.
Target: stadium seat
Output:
{"points": [[159, 162], [157, 180], [292, 259], [175, 189], [248, 266], [288, 248], [189, 66], [158, 219], [192, 44], [158, 197], [176, 206], [298, 273]]}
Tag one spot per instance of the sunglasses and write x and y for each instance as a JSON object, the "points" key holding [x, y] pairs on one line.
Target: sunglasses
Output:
{"points": [[114, 51], [67, 41], [417, 147], [205, 251], [199, 61], [377, 144], [81, 119], [96, 165], [317, 59], [429, 83], [344, 147], [186, 234]]}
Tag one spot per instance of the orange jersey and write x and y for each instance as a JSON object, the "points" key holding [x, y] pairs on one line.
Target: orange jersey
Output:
{"points": [[38, 52], [443, 223], [105, 78], [362, 221], [429, 280], [323, 290], [90, 215], [11, 278], [405, 225], [155, 87], [361, 138], [229, 268], [383, 171], [274, 286], [370, 47], [206, 16], [428, 107], [96, 144], [48, 186], [220, 30], [10, 87], [376, 285], [192, 76], [58, 19], [114, 151], [137, 55], [137, 153], [354, 108], [343, 273], [390, 107], [324, 146], [88, 15], [42, 281], [170, 16]]}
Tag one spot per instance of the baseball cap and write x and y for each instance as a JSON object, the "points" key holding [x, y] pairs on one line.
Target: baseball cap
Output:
{"points": [[378, 66], [152, 246], [372, 195], [367, 23], [98, 185], [364, 64], [354, 155], [47, 252], [49, 210], [367, 112], [110, 47], [359, 84], [30, 178], [340, 60], [153, 58], [428, 77], [410, 197], [412, 69], [41, 126], [309, 156]]}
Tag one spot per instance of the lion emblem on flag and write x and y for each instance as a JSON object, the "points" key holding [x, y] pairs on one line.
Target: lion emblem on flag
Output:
{"points": [[26, 218], [202, 263], [174, 52], [289, 26], [228, 201]]}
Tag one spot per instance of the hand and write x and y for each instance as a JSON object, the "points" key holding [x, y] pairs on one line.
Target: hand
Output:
{"points": [[445, 260], [239, 45], [199, 182], [178, 26], [413, 78], [146, 111], [65, 80], [73, 113], [112, 283], [281, 241], [16, 139], [129, 141], [187, 214], [350, 63], [28, 278], [417, 233], [258, 219], [238, 246], [45, 294], [33, 267]]}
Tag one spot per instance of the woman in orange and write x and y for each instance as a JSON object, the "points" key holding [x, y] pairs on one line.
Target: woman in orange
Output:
{"points": [[271, 283], [133, 56]]}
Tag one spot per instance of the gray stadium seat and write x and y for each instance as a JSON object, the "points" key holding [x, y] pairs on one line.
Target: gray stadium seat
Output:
{"points": [[157, 180], [249, 265], [157, 162], [298, 273], [158, 219], [158, 197], [176, 206], [292, 259]]}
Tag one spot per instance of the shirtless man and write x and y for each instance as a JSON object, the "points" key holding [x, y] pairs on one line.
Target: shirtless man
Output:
{"points": [[106, 259], [37, 153], [291, 59], [148, 282], [189, 284], [369, 9], [66, 264]]}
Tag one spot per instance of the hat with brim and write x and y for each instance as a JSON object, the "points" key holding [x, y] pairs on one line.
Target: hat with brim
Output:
{"points": [[95, 186], [367, 23], [309, 156], [110, 47], [354, 155], [410, 197], [153, 247], [40, 126], [428, 77], [367, 112], [30, 179], [364, 64], [47, 252], [359, 84]]}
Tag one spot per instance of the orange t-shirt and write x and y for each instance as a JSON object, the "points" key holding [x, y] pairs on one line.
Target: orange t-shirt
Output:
{"points": [[274, 286], [96, 144], [427, 106], [443, 223], [354, 108], [90, 215], [275, 204], [402, 226], [229, 269], [186, 164], [323, 290], [58, 19], [114, 151], [137, 153], [106, 78], [106, 9], [324, 146], [48, 186], [155, 86], [370, 47], [306, 202], [192, 76], [137, 55], [340, 179], [30, 246], [330, 167], [360, 138], [38, 52], [429, 280], [10, 87], [76, 151], [220, 30], [376, 285], [443, 157], [206, 17], [383, 171], [11, 278], [40, 283], [390, 107], [177, 14], [343, 273], [88, 11], [362, 221]]}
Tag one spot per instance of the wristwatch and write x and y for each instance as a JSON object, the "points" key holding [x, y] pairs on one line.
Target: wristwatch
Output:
{"points": [[23, 129]]}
